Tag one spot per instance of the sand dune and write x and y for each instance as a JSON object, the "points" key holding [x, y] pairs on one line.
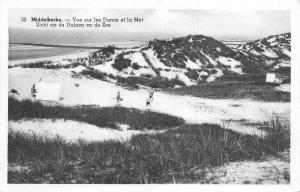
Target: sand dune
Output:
{"points": [[227, 112]]}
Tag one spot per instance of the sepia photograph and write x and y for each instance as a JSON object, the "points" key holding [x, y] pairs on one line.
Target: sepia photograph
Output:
{"points": [[149, 96]]}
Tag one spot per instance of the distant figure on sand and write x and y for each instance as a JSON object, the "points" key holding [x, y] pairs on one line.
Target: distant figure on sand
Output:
{"points": [[151, 93], [33, 91], [148, 102], [119, 98]]}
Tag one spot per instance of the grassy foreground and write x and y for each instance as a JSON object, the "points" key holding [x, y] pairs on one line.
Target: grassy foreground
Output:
{"points": [[161, 158], [172, 156]]}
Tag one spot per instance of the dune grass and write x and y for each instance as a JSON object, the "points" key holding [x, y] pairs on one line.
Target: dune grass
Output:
{"points": [[234, 89], [278, 132], [102, 117], [175, 155], [161, 158], [35, 64], [46, 64]]}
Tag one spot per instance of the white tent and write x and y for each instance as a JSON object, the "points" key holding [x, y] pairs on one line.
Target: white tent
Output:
{"points": [[48, 91], [271, 78]]}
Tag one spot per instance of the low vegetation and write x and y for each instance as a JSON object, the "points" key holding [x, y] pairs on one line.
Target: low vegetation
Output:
{"points": [[278, 132], [46, 64], [155, 82], [121, 63], [102, 117], [167, 157], [192, 74], [234, 89], [150, 64], [134, 81], [175, 53], [95, 74], [37, 64]]}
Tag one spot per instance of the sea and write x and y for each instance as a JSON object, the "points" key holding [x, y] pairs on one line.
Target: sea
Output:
{"points": [[20, 52]]}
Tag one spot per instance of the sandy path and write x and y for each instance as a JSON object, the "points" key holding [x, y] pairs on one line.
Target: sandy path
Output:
{"points": [[73, 131]]}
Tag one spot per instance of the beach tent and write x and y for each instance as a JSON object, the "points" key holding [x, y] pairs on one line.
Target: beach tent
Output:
{"points": [[48, 91], [271, 78]]}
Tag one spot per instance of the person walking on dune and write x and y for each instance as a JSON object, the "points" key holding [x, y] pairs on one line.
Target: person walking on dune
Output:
{"points": [[148, 102], [151, 94], [119, 99], [33, 91]]}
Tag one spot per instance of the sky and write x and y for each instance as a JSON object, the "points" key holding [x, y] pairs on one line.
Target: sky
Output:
{"points": [[220, 24]]}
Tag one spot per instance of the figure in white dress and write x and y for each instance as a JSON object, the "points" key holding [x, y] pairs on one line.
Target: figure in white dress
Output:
{"points": [[151, 94], [148, 102], [33, 91], [119, 99]]}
